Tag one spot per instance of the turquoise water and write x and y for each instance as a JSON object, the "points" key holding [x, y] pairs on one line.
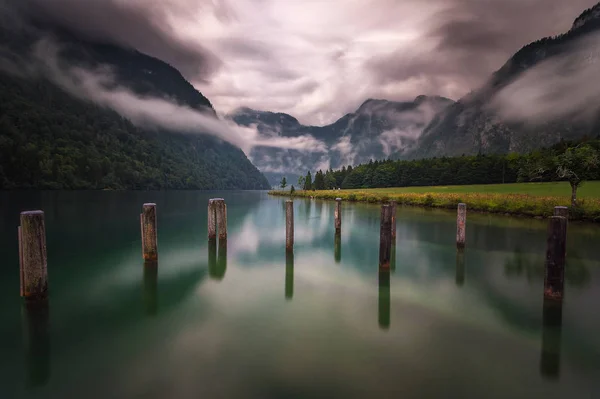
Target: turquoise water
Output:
{"points": [[247, 322]]}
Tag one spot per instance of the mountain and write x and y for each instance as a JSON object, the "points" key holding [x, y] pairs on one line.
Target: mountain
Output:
{"points": [[377, 129], [51, 138], [543, 94]]}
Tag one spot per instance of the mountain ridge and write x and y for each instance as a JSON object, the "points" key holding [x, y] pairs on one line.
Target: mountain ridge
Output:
{"points": [[53, 139]]}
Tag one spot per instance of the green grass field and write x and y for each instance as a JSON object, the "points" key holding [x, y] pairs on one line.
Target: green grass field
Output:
{"points": [[529, 199], [556, 189]]}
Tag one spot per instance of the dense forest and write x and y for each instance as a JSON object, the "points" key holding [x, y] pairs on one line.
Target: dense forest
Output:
{"points": [[52, 140], [479, 169]]}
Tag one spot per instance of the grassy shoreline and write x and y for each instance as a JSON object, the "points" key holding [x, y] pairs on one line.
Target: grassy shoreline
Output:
{"points": [[502, 203]]}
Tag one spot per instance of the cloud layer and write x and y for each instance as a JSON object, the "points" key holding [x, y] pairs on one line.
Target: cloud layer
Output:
{"points": [[320, 59]]}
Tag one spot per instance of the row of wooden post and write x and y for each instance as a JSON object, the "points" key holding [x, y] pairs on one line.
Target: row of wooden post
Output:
{"points": [[34, 265], [555, 253]]}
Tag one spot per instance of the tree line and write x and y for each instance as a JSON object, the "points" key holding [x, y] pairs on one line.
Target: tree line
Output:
{"points": [[574, 162]]}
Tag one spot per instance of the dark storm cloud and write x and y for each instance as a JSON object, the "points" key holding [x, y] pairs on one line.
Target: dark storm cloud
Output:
{"points": [[467, 40], [319, 59], [143, 25]]}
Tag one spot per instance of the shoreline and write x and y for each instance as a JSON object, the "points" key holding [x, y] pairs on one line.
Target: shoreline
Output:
{"points": [[501, 204]]}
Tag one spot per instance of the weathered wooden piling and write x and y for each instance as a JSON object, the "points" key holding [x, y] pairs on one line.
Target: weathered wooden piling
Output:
{"points": [[212, 220], [555, 258], [338, 215], [461, 222], [384, 303], [385, 237], [217, 219], [393, 205], [149, 232], [222, 218], [289, 225], [32, 256], [551, 339], [561, 211], [289, 275]]}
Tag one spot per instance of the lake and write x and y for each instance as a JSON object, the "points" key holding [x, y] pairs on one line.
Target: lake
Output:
{"points": [[249, 322]]}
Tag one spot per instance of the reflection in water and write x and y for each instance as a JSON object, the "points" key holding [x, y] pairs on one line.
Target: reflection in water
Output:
{"points": [[151, 288], [384, 299], [551, 333], [393, 256], [338, 247], [36, 336], [212, 258], [218, 272], [289, 275], [460, 267], [532, 268]]}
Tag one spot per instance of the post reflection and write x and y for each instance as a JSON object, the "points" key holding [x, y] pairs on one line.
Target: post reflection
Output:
{"points": [[393, 256], [551, 337], [217, 261], [337, 252], [151, 288], [460, 267], [289, 275], [36, 337], [384, 299]]}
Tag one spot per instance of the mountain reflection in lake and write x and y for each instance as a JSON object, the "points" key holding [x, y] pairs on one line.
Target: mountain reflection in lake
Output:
{"points": [[242, 319]]}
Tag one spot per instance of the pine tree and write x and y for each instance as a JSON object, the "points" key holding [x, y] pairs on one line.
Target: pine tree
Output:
{"points": [[308, 181], [283, 183]]}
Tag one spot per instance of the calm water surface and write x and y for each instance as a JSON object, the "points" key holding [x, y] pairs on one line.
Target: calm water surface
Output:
{"points": [[247, 322]]}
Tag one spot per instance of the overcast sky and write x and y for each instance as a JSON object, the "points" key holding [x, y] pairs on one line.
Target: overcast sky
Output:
{"points": [[319, 59]]}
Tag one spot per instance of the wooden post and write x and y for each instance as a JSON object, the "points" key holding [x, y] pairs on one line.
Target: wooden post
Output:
{"points": [[212, 220], [289, 225], [385, 237], [384, 300], [394, 205], [222, 218], [289, 275], [561, 211], [33, 256], [461, 222], [338, 215], [555, 258], [149, 233]]}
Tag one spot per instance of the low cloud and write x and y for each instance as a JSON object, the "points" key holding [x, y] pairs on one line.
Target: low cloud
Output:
{"points": [[563, 86], [318, 60], [99, 86]]}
